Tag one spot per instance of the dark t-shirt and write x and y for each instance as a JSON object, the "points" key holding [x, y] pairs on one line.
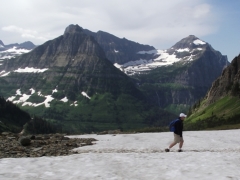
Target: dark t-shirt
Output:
{"points": [[178, 127]]}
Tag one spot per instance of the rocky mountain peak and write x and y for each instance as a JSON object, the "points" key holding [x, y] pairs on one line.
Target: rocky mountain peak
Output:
{"points": [[190, 42], [73, 29], [27, 45]]}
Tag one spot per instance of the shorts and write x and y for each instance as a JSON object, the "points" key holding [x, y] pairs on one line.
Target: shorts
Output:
{"points": [[177, 138]]}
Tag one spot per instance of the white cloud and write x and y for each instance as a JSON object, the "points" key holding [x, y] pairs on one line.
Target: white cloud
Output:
{"points": [[28, 35], [201, 10], [25, 33], [18, 29], [153, 22]]}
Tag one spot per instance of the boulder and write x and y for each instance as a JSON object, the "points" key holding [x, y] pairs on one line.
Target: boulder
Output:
{"points": [[24, 141]]}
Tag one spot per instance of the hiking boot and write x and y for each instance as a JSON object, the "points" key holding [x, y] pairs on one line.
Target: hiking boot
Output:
{"points": [[179, 150], [167, 150]]}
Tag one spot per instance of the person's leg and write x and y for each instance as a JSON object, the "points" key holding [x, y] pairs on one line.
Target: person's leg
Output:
{"points": [[172, 144], [181, 144], [175, 141]]}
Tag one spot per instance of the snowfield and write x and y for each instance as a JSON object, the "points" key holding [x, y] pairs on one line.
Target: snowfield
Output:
{"points": [[207, 155]]}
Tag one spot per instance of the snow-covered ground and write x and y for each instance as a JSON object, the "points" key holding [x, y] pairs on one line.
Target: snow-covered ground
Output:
{"points": [[207, 155]]}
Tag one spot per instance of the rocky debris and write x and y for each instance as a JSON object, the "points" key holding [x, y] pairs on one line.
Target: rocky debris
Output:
{"points": [[16, 146]]}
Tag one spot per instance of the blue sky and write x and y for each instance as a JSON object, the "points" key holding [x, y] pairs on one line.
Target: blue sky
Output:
{"points": [[155, 22], [226, 39]]}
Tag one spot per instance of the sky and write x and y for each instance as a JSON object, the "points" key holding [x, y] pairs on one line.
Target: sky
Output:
{"points": [[206, 155], [157, 23]]}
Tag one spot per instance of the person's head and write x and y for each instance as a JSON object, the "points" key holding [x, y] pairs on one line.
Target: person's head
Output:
{"points": [[182, 116]]}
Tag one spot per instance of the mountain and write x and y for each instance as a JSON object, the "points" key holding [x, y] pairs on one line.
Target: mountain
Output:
{"points": [[74, 61], [77, 68], [174, 78], [181, 75], [70, 81], [119, 50], [220, 108], [13, 50], [184, 51]]}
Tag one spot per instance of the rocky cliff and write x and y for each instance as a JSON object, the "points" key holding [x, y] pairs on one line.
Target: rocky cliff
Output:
{"points": [[226, 84]]}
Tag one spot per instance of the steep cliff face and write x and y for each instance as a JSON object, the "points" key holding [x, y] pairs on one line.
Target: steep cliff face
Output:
{"points": [[119, 50], [226, 84]]}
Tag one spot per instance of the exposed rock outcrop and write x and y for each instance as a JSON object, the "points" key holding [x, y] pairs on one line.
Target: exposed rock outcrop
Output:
{"points": [[227, 84]]}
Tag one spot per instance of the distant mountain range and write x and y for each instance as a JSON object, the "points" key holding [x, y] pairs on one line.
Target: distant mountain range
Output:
{"points": [[96, 81], [13, 50]]}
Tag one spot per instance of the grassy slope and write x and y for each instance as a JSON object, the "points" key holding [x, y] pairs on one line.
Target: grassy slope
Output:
{"points": [[223, 114]]}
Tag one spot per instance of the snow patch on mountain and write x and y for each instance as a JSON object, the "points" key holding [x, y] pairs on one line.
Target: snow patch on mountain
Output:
{"points": [[74, 103], [164, 57], [22, 98], [12, 52], [198, 42], [32, 91], [85, 94], [5, 56], [65, 99], [18, 92], [4, 73], [55, 90], [24, 70], [16, 50], [30, 70], [182, 50]]}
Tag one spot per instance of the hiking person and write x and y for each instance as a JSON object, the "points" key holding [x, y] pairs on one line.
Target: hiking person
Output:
{"points": [[178, 128]]}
